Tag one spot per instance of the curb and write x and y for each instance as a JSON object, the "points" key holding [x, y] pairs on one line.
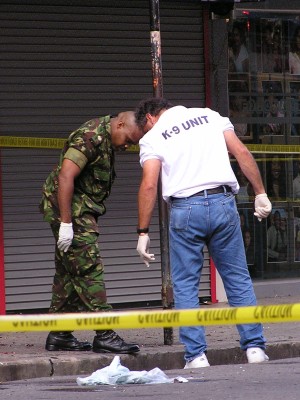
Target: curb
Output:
{"points": [[29, 367]]}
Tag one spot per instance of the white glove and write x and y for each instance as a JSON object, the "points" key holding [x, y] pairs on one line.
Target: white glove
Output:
{"points": [[143, 249], [262, 206], [65, 236]]}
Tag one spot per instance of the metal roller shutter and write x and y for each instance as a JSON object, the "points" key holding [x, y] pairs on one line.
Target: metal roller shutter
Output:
{"points": [[29, 244], [62, 63]]}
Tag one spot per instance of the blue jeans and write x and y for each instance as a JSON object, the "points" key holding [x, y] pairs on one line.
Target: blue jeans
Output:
{"points": [[210, 220]]}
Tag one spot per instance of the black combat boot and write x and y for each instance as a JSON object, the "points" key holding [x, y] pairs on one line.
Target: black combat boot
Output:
{"points": [[110, 342], [65, 341]]}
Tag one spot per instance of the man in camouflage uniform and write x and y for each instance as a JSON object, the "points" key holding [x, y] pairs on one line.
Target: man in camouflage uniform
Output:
{"points": [[73, 197]]}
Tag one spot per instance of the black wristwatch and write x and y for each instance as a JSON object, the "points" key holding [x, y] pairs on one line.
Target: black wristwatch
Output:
{"points": [[142, 230]]}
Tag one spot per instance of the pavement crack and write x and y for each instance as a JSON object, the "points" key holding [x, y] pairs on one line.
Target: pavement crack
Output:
{"points": [[51, 367]]}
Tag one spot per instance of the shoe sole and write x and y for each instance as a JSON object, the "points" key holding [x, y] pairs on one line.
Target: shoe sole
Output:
{"points": [[199, 366], [52, 347], [258, 361], [114, 352]]}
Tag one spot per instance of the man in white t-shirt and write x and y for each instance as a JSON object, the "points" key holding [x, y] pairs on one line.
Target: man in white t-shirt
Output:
{"points": [[189, 147]]}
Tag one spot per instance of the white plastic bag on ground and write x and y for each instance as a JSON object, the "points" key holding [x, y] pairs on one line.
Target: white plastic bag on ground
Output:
{"points": [[117, 374]]}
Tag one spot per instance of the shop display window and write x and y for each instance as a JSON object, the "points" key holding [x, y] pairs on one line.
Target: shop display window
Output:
{"points": [[264, 107]]}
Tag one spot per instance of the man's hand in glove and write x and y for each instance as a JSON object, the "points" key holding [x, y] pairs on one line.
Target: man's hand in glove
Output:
{"points": [[143, 249], [262, 206], [65, 236]]}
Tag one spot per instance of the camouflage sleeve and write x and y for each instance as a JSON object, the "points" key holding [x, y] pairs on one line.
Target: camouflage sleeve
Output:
{"points": [[77, 157], [83, 145]]}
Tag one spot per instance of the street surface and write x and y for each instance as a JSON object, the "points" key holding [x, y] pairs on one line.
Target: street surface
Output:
{"points": [[274, 380]]}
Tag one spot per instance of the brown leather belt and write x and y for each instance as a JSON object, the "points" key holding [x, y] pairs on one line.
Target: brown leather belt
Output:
{"points": [[219, 189]]}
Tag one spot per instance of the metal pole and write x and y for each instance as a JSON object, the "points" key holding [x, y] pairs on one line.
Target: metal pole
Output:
{"points": [[167, 292], [2, 272], [156, 48]]}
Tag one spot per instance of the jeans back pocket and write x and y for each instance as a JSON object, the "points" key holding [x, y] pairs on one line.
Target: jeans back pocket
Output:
{"points": [[179, 217]]}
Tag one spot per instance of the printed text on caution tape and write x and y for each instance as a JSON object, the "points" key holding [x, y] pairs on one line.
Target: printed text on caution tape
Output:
{"points": [[151, 319]]}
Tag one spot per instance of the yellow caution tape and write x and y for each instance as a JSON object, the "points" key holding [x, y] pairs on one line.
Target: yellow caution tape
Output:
{"points": [[31, 142], [274, 148], [56, 143], [41, 143], [150, 319]]}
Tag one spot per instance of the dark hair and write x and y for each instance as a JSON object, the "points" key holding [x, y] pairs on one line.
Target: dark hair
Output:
{"points": [[152, 106], [241, 30]]}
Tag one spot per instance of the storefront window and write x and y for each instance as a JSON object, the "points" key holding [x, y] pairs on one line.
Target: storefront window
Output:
{"points": [[264, 106]]}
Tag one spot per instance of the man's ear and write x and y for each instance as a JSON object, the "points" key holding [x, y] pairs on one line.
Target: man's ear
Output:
{"points": [[149, 117], [120, 124]]}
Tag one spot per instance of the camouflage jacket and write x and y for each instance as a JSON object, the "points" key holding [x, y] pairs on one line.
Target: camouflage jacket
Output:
{"points": [[91, 149]]}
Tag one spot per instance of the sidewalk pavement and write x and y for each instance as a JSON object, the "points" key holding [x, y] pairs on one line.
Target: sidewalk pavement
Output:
{"points": [[23, 354]]}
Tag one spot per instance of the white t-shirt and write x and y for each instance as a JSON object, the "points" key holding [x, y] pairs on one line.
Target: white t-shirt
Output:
{"points": [[296, 187], [191, 146], [294, 63], [242, 56]]}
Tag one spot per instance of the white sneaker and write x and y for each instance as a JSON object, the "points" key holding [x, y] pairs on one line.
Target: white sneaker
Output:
{"points": [[198, 362], [256, 355]]}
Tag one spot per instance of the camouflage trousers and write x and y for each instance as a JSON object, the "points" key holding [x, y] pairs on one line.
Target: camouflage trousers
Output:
{"points": [[78, 284]]}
